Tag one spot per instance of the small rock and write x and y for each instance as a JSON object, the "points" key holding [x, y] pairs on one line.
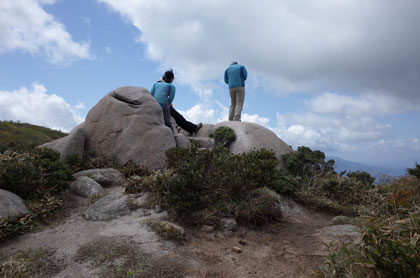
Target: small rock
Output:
{"points": [[105, 177], [86, 187], [341, 220], [242, 242], [236, 249], [229, 223], [207, 228], [109, 207], [158, 209], [11, 205]]}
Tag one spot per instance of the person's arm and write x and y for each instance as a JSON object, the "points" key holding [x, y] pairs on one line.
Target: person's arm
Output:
{"points": [[244, 73], [172, 94], [226, 77], [152, 91]]}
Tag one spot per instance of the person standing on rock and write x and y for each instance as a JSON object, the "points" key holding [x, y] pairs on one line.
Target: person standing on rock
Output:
{"points": [[235, 76], [164, 93]]}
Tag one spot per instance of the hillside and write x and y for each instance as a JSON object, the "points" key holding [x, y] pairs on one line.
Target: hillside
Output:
{"points": [[375, 171], [25, 134]]}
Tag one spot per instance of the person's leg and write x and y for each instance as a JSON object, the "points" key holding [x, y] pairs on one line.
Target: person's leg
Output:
{"points": [[182, 122], [240, 98], [232, 103], [167, 116]]}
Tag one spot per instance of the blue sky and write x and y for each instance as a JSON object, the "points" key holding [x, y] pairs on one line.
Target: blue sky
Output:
{"points": [[339, 76]]}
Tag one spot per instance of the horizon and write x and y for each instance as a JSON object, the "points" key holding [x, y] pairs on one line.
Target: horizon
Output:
{"points": [[342, 78]]}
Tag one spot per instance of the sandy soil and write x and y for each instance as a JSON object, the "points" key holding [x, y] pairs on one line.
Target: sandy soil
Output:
{"points": [[292, 248]]}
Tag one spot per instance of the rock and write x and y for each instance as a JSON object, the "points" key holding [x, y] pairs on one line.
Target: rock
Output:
{"points": [[126, 126], [340, 231], [291, 211], [250, 136], [105, 177], [72, 144], [341, 219], [207, 228], [203, 142], [11, 205], [86, 187], [109, 207], [229, 224], [236, 249], [182, 141]]}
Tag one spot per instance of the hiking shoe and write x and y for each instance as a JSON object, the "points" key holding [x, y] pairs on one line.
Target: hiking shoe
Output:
{"points": [[200, 125]]}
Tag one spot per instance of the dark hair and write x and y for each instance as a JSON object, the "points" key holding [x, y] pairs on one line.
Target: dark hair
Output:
{"points": [[168, 76], [234, 63]]}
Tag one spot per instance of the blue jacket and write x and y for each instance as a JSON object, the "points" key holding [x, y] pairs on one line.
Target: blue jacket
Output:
{"points": [[235, 76], [160, 91]]}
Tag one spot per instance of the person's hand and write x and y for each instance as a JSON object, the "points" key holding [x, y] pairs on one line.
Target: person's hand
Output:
{"points": [[172, 105]]}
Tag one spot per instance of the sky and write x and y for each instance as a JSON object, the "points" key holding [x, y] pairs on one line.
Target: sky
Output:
{"points": [[342, 76]]}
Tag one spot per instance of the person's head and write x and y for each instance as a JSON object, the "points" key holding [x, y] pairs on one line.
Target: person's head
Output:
{"points": [[168, 76], [234, 63]]}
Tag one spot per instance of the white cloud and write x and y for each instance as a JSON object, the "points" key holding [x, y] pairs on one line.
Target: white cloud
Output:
{"points": [[297, 45], [37, 107], [255, 118], [108, 50], [26, 27]]}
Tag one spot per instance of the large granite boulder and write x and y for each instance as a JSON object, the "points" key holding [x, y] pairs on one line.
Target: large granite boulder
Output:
{"points": [[11, 205], [73, 144], [250, 136], [127, 126]]}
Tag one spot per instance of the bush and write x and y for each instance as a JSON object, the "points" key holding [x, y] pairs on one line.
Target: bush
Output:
{"points": [[389, 247], [89, 160], [32, 174], [212, 181], [223, 136], [414, 171]]}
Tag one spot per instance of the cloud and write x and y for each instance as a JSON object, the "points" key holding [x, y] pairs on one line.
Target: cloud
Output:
{"points": [[37, 107], [297, 45], [26, 27], [108, 50]]}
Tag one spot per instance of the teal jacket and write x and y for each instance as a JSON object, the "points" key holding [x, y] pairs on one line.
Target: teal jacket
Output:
{"points": [[235, 76], [162, 90]]}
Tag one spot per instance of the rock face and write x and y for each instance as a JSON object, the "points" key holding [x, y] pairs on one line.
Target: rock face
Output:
{"points": [[86, 187], [73, 144], [250, 136], [105, 177], [109, 207], [126, 125], [11, 205]]}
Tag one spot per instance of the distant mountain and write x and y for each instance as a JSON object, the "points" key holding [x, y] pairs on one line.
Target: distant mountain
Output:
{"points": [[374, 171], [23, 134]]}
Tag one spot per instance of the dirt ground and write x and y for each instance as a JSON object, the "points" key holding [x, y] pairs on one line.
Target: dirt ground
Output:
{"points": [[126, 247]]}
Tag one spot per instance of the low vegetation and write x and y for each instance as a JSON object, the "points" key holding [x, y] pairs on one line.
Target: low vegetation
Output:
{"points": [[15, 135], [31, 263], [38, 176]]}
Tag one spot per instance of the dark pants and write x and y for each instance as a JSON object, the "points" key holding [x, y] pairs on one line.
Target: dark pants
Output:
{"points": [[166, 109], [182, 122]]}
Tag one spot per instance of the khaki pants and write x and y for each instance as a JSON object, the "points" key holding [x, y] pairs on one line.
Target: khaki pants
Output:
{"points": [[237, 98]]}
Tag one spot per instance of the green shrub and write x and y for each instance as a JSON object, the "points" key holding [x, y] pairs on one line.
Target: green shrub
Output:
{"points": [[414, 171], [363, 177], [214, 181], [223, 136], [89, 160], [32, 174]]}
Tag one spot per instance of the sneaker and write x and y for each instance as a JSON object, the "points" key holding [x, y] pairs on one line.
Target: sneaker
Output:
{"points": [[200, 125]]}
